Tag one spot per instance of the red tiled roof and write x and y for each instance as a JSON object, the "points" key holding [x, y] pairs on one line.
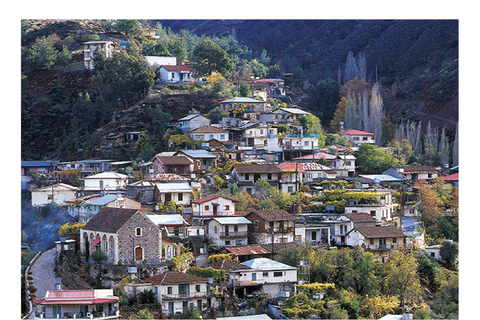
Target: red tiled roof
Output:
{"points": [[291, 166], [273, 215], [179, 68], [380, 232], [209, 198], [452, 177], [247, 250], [257, 168], [174, 278], [209, 129], [353, 132], [317, 155]]}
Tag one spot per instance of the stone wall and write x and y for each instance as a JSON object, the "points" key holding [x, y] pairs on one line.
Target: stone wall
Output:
{"points": [[110, 274], [149, 239]]}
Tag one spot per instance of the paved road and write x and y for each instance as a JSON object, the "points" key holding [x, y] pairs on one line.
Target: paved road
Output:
{"points": [[42, 273]]}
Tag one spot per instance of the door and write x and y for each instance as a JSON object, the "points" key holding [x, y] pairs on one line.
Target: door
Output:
{"points": [[215, 209], [314, 235], [138, 254], [168, 197], [254, 276]]}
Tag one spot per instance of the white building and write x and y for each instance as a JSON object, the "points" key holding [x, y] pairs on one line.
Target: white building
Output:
{"points": [[180, 192], [213, 206], [105, 181], [278, 278], [206, 133], [58, 193], [192, 122], [89, 51], [177, 74], [356, 137], [382, 209], [227, 231]]}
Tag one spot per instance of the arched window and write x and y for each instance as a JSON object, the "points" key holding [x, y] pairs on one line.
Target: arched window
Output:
{"points": [[138, 231]]}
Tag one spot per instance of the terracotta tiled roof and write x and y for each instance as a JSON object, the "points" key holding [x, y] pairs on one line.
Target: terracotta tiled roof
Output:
{"points": [[353, 132], [274, 215], [291, 166], [174, 278], [246, 250], [257, 168], [380, 232], [229, 265], [109, 219], [174, 160], [209, 198], [452, 177], [360, 217], [179, 68], [316, 156], [209, 129]]}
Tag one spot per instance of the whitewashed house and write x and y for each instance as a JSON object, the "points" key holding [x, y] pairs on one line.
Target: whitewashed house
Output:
{"points": [[180, 192], [58, 193], [213, 206], [106, 181], [347, 222], [278, 278], [227, 231], [177, 74], [89, 51], [356, 137], [382, 209], [192, 122], [206, 133]]}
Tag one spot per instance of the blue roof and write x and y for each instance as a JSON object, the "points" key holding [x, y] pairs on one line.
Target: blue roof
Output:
{"points": [[199, 153], [102, 200], [267, 264], [37, 163], [189, 117]]}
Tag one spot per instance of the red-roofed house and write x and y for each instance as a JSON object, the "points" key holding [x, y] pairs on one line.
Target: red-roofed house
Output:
{"points": [[452, 179], [61, 304], [177, 74], [212, 206], [357, 138]]}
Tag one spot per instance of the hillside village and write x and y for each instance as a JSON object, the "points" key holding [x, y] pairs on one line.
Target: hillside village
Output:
{"points": [[252, 211]]}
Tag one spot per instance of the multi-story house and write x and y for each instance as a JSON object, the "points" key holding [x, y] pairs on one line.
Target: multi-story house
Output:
{"points": [[246, 175], [192, 122], [202, 159], [248, 104], [228, 231], [173, 224], [206, 133], [294, 173], [180, 165], [347, 222], [210, 207], [122, 234], [380, 240], [300, 141], [108, 47], [258, 136], [283, 115], [271, 226], [175, 291], [58, 193], [356, 137], [412, 173], [381, 208]]}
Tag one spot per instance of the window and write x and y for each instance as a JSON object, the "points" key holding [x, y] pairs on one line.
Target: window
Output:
{"points": [[199, 305], [185, 306], [197, 288], [373, 213], [256, 223], [394, 240], [183, 288], [277, 273], [169, 290], [227, 243], [290, 189], [247, 176], [156, 290], [269, 176], [180, 197], [138, 232], [372, 241], [207, 208], [210, 136], [432, 254], [170, 307], [215, 229], [227, 207], [222, 136], [306, 143], [235, 228], [265, 274], [364, 138]]}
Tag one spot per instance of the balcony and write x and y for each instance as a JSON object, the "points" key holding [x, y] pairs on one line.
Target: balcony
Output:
{"points": [[79, 315], [234, 234], [280, 229], [184, 295], [385, 247], [246, 283]]}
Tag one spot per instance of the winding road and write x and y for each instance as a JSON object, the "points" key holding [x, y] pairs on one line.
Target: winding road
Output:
{"points": [[43, 274]]}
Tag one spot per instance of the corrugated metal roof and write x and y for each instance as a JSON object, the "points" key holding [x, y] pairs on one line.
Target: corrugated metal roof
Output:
{"points": [[107, 175], [267, 264], [232, 220], [167, 219], [173, 187], [198, 153], [247, 250], [58, 187], [242, 100], [103, 200]]}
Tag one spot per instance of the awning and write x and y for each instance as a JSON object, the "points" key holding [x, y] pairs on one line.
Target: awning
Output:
{"points": [[95, 242]]}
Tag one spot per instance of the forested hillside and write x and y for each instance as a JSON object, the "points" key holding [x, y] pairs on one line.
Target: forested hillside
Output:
{"points": [[69, 112]]}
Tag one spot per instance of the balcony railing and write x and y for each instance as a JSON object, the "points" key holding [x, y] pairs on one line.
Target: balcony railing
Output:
{"points": [[280, 229], [246, 283], [385, 247], [184, 295], [234, 234]]}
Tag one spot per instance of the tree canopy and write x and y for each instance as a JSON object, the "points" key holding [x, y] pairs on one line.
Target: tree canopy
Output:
{"points": [[211, 57]]}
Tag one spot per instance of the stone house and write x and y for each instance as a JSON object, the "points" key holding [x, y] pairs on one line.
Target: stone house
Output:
{"points": [[277, 226], [122, 234]]}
